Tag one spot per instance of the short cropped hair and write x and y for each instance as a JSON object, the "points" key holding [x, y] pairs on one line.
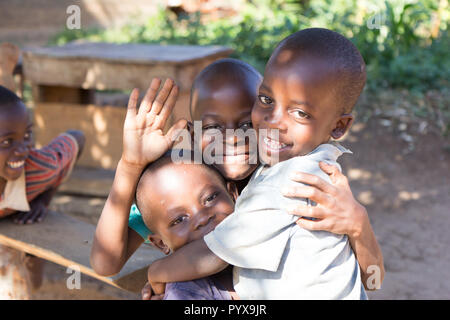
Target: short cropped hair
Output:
{"points": [[345, 58], [162, 161], [232, 69], [8, 98]]}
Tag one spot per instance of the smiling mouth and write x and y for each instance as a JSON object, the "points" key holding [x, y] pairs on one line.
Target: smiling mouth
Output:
{"points": [[274, 145], [15, 164]]}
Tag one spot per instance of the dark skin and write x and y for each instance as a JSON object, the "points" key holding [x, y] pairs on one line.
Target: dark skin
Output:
{"points": [[225, 105], [108, 256], [187, 202], [300, 105], [15, 144], [216, 110]]}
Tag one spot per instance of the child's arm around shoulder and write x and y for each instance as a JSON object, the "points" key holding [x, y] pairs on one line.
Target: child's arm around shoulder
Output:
{"points": [[193, 261]]}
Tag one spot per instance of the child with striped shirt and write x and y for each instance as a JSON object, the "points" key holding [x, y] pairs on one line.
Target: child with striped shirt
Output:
{"points": [[29, 176]]}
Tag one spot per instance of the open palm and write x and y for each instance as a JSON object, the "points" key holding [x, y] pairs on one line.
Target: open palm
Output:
{"points": [[143, 138]]}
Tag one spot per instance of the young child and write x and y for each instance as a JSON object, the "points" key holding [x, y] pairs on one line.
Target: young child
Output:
{"points": [[29, 176], [221, 103], [311, 83], [186, 202], [27, 173]]}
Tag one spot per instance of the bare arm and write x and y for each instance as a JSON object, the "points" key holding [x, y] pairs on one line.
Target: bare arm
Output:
{"points": [[338, 212], [368, 253], [192, 261], [143, 142], [113, 244]]}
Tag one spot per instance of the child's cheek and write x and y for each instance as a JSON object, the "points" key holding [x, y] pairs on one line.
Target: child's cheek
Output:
{"points": [[209, 138]]}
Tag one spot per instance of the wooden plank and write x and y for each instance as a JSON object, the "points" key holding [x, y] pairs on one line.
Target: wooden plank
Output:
{"points": [[87, 181], [133, 53], [66, 241], [122, 67], [102, 126]]}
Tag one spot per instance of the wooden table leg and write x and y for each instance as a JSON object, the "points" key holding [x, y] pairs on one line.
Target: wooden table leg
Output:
{"points": [[14, 277]]}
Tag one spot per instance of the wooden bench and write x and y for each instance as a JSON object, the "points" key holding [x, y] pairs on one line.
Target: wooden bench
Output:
{"points": [[66, 241], [66, 79]]}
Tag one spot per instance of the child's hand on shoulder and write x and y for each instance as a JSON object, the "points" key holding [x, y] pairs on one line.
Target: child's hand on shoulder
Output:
{"points": [[336, 211], [143, 138]]}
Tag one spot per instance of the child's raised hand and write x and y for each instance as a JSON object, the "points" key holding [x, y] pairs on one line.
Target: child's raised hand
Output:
{"points": [[143, 137]]}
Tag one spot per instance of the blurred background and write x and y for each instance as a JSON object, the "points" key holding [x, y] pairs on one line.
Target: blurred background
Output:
{"points": [[400, 169]]}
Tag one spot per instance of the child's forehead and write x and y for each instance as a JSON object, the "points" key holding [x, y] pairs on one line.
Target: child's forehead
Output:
{"points": [[295, 61], [305, 70], [181, 174], [225, 101], [16, 112]]}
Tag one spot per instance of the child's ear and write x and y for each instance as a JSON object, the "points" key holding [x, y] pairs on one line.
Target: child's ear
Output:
{"points": [[344, 122], [156, 241], [232, 190]]}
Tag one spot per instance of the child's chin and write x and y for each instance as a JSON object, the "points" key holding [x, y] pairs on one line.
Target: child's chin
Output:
{"points": [[236, 172], [13, 174]]}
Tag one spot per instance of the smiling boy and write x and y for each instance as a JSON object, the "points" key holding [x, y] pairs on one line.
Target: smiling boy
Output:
{"points": [[180, 203], [310, 85], [29, 176]]}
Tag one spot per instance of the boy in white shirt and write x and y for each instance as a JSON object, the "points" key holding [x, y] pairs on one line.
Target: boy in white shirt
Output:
{"points": [[311, 83]]}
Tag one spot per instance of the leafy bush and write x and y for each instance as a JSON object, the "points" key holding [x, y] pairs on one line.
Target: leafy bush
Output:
{"points": [[400, 50]]}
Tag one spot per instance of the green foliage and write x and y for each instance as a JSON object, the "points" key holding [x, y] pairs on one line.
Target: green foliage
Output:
{"points": [[399, 50]]}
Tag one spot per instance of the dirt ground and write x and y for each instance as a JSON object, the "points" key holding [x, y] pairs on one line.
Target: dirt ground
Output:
{"points": [[405, 186]]}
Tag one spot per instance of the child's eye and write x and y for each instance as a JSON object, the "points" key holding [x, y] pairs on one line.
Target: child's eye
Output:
{"points": [[246, 125], [265, 99], [211, 197], [299, 114], [178, 220], [6, 143], [212, 126]]}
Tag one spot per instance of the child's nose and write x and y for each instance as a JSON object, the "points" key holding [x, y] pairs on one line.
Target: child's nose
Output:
{"points": [[21, 149], [275, 119], [231, 138], [203, 218]]}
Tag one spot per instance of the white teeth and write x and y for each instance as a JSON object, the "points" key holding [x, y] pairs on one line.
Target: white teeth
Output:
{"points": [[272, 144], [15, 164]]}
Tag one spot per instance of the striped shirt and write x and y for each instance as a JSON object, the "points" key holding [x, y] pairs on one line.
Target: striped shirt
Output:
{"points": [[48, 167]]}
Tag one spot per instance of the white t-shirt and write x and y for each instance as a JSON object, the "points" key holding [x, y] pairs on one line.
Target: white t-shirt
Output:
{"points": [[274, 258]]}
